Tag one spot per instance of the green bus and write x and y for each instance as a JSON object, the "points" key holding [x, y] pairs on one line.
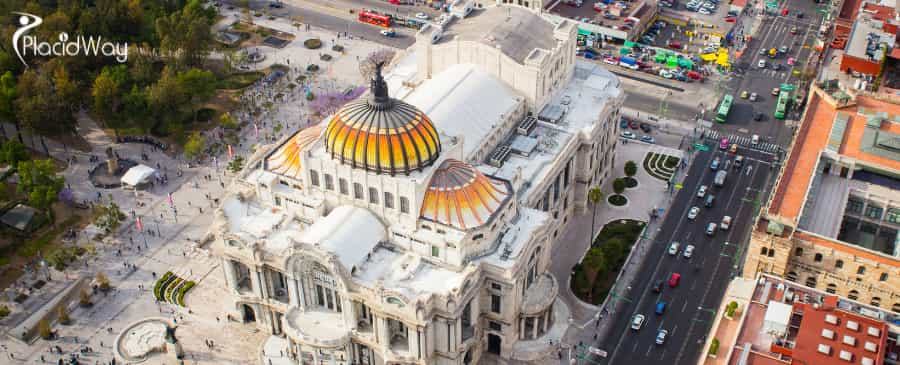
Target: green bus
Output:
{"points": [[784, 97], [724, 108]]}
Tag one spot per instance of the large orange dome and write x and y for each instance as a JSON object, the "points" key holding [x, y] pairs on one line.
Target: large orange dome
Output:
{"points": [[460, 196], [382, 134]]}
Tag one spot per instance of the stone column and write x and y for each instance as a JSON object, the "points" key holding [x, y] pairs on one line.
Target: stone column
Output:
{"points": [[230, 276], [522, 328], [412, 335], [350, 310], [547, 316], [534, 328], [384, 332], [257, 284]]}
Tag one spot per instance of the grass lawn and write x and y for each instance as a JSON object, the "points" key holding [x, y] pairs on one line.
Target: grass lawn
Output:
{"points": [[596, 274], [239, 80]]}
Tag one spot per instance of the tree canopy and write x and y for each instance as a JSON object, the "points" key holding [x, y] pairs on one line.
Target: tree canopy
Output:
{"points": [[39, 181]]}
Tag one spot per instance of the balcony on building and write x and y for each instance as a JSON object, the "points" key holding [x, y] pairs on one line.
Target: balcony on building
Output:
{"points": [[317, 327]]}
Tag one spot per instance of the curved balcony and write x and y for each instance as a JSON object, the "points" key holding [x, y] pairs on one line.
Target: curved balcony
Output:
{"points": [[540, 295], [316, 327]]}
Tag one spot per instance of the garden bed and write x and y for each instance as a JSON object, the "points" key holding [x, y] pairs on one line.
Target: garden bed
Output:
{"points": [[617, 200], [630, 182], [595, 275]]}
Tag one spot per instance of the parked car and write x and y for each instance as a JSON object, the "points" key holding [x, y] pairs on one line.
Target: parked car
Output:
{"points": [[675, 45], [714, 165], [758, 116], [637, 322], [665, 73], [693, 212], [710, 199], [744, 94], [674, 279], [794, 30], [753, 96], [648, 139], [388, 33], [661, 336], [776, 66], [730, 19], [783, 49], [629, 135], [610, 60], [761, 64], [623, 123], [726, 222], [632, 124], [775, 91], [688, 251], [711, 229], [646, 127], [422, 16], [701, 192], [704, 11], [734, 149]]}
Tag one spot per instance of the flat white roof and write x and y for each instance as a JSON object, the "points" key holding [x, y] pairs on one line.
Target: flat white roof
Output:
{"points": [[348, 232], [406, 273]]}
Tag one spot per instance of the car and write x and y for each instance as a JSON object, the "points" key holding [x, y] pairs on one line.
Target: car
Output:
{"points": [[422, 16], [665, 74], [793, 30], [276, 5], [800, 15], [709, 6], [610, 16], [637, 322], [623, 123], [738, 162], [791, 61], [783, 49], [662, 24], [632, 124], [732, 13], [776, 66], [745, 94], [693, 212], [629, 135], [726, 222], [711, 229], [688, 251], [388, 33], [704, 11], [758, 116], [762, 51], [646, 127], [611, 61], [665, 4], [775, 91], [660, 308], [648, 139], [761, 64], [674, 279], [734, 149], [754, 140], [710, 199], [714, 165], [657, 286], [730, 19], [701, 192], [661, 336], [673, 248], [675, 45]]}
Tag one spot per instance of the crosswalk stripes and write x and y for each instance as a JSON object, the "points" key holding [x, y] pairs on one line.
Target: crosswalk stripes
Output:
{"points": [[742, 141]]}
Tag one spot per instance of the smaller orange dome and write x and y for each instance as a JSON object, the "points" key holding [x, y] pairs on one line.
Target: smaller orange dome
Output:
{"points": [[286, 160], [460, 196]]}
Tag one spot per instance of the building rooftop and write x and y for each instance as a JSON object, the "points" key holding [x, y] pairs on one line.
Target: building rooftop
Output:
{"points": [[865, 36], [407, 274], [502, 27]]}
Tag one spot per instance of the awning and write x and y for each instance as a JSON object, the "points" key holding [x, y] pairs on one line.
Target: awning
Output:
{"points": [[629, 44], [624, 50], [584, 32], [137, 175]]}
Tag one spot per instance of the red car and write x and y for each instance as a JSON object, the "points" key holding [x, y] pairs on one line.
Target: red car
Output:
{"points": [[730, 19], [784, 12], [673, 280], [675, 45]]}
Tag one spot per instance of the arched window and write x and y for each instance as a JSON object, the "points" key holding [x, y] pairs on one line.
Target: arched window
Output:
{"points": [[798, 251], [861, 270], [791, 276], [896, 308], [876, 301], [811, 281], [839, 264], [771, 252], [763, 251], [853, 294], [883, 277], [817, 257], [325, 289], [831, 288]]}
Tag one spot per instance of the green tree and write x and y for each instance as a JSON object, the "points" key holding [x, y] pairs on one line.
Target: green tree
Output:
{"points": [[236, 164], [107, 95], [7, 99], [102, 281], [46, 99], [194, 146], [110, 217], [166, 98], [714, 347], [731, 308], [136, 109], [227, 121], [613, 250], [39, 181], [63, 315], [186, 34], [630, 168], [198, 85], [619, 186], [12, 152], [44, 329], [595, 196]]}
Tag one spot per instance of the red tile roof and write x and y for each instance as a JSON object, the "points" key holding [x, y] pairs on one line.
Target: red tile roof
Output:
{"points": [[879, 12], [809, 337]]}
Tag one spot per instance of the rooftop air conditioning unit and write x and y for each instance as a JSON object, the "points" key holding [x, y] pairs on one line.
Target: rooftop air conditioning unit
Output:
{"points": [[871, 346], [846, 355], [849, 340], [499, 156]]}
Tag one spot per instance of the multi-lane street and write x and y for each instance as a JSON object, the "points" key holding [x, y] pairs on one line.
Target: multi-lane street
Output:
{"points": [[798, 35], [703, 276]]}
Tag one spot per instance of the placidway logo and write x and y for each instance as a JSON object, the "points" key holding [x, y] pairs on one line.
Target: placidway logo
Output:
{"points": [[25, 44]]}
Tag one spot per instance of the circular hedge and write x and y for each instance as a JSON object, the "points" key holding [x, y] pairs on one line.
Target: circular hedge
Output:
{"points": [[630, 182], [312, 43], [617, 200], [312, 68], [325, 57]]}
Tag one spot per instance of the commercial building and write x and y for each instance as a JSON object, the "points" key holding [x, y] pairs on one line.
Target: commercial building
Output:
{"points": [[415, 225], [833, 219]]}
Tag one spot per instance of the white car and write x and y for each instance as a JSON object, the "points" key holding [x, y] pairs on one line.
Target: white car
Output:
{"points": [[422, 16], [726, 222], [711, 229], [702, 191], [754, 140], [637, 322], [688, 251], [693, 213], [629, 135], [761, 64], [673, 248], [704, 11], [661, 337]]}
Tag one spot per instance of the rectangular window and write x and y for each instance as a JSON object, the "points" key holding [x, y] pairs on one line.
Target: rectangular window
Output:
{"points": [[435, 251], [329, 182], [388, 200], [277, 201], [496, 326], [342, 185], [373, 196], [893, 215], [556, 190], [314, 177], [495, 303], [357, 191], [854, 206], [874, 211], [566, 174], [404, 205]]}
